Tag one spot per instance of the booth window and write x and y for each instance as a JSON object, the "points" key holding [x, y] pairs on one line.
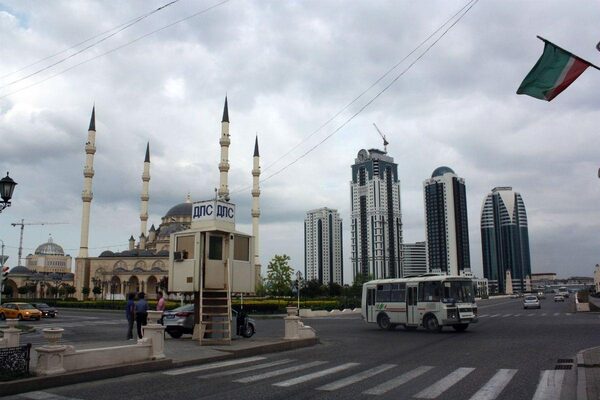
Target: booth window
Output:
{"points": [[185, 244], [215, 248], [241, 248]]}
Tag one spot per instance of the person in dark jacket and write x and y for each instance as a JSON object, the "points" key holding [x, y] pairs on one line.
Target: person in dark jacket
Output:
{"points": [[130, 314], [141, 313]]}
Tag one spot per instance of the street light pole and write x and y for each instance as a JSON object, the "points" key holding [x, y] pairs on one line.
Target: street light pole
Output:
{"points": [[2, 270], [299, 277]]}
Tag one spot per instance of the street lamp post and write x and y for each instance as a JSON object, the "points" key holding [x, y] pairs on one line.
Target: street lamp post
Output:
{"points": [[7, 187], [299, 277]]}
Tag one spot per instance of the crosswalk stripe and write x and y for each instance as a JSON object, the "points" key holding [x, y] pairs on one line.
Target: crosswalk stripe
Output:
{"points": [[279, 372], [556, 314], [544, 314], [569, 313], [357, 377], [214, 365], [530, 315], [315, 375], [506, 315], [495, 315], [484, 315], [494, 386], [517, 315], [549, 386], [401, 380], [45, 396], [245, 369], [444, 384]]}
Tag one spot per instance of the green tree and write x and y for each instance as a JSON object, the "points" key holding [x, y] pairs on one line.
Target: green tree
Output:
{"points": [[279, 276], [85, 291], [261, 290], [335, 289], [23, 289], [97, 290], [356, 288], [70, 290]]}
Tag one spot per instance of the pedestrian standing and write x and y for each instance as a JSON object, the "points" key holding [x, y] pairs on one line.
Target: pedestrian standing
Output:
{"points": [[160, 306], [141, 313], [130, 314]]}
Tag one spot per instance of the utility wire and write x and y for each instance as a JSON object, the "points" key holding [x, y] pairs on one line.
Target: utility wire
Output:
{"points": [[389, 71], [336, 130], [125, 25], [119, 47]]}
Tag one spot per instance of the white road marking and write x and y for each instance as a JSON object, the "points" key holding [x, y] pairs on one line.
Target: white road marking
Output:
{"points": [[494, 386], [401, 380], [569, 313], [556, 314], [530, 315], [484, 315], [495, 315], [517, 315], [315, 375], [506, 315], [544, 314], [357, 377], [44, 396], [214, 365], [444, 384], [278, 372], [550, 385], [246, 369]]}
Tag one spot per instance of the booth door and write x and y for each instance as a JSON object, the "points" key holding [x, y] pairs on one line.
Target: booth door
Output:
{"points": [[214, 266]]}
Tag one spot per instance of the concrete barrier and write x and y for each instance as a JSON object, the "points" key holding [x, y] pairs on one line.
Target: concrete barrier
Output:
{"points": [[308, 313]]}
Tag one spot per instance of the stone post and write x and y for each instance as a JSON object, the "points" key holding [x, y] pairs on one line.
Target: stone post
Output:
{"points": [[291, 323], [11, 334], [155, 332], [50, 356]]}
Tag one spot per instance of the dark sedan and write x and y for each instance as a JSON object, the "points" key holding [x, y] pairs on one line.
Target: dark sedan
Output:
{"points": [[46, 310]]}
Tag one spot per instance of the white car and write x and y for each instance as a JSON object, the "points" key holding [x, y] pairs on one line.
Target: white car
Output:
{"points": [[531, 302], [559, 297]]}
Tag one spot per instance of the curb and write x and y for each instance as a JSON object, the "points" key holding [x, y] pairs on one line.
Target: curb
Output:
{"points": [[45, 382]]}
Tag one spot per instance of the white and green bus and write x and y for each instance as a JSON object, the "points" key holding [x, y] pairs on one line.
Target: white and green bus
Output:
{"points": [[431, 300]]}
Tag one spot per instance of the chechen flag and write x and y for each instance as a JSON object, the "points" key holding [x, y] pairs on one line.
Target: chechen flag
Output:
{"points": [[554, 72]]}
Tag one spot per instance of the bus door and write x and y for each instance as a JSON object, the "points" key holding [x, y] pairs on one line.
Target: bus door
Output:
{"points": [[412, 313], [371, 304]]}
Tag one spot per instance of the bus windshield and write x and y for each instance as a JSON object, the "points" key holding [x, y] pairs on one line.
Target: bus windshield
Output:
{"points": [[458, 292]]}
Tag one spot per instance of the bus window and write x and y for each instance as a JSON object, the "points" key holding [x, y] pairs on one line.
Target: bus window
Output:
{"points": [[370, 297], [398, 292], [430, 291], [383, 293]]}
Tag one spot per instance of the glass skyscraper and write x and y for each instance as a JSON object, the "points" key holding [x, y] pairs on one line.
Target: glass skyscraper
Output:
{"points": [[505, 239], [376, 218], [323, 259], [446, 223]]}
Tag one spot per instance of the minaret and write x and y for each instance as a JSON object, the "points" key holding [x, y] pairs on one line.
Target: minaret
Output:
{"points": [[87, 195], [255, 203], [223, 192], [145, 195]]}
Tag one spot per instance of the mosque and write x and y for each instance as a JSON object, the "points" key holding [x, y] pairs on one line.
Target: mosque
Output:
{"points": [[143, 267]]}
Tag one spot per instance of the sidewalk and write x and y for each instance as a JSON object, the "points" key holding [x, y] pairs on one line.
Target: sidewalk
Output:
{"points": [[178, 352], [588, 374]]}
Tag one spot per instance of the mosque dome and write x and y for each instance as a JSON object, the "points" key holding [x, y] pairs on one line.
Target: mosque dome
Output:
{"points": [[440, 171], [20, 270], [49, 249], [180, 210], [107, 253]]}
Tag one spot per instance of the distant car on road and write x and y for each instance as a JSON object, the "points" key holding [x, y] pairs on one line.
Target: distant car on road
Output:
{"points": [[559, 297], [46, 310], [531, 301], [541, 295], [19, 311]]}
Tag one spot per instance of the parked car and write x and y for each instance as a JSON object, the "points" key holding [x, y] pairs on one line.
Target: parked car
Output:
{"points": [[19, 311], [46, 310], [531, 301], [559, 297], [181, 320]]}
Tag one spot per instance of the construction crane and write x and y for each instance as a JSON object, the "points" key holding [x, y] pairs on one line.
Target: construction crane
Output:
{"points": [[22, 225], [385, 142]]}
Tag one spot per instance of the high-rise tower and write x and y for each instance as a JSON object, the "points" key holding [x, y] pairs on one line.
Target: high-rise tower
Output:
{"points": [[223, 191], [256, 203], [323, 259], [376, 216], [446, 223], [86, 194], [145, 194], [505, 239]]}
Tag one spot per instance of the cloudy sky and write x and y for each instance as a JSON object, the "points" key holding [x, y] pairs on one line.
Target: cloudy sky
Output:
{"points": [[288, 67]]}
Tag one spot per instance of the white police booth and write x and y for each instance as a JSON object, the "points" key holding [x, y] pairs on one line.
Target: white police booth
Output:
{"points": [[212, 260]]}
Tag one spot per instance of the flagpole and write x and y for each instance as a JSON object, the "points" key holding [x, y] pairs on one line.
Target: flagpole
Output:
{"points": [[558, 47]]}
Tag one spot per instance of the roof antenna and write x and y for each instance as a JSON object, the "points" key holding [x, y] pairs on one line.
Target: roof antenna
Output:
{"points": [[385, 142]]}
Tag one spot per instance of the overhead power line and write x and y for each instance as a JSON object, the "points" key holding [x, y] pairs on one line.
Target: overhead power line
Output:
{"points": [[389, 71], [205, 10], [360, 110], [116, 29]]}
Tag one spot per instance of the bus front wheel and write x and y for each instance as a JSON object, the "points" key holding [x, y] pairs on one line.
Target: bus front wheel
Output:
{"points": [[384, 322], [432, 324]]}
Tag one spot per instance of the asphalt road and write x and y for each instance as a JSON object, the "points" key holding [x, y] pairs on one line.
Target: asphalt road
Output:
{"points": [[510, 354]]}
